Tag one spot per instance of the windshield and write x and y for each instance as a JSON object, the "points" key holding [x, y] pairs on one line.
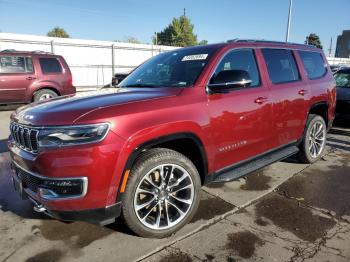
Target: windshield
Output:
{"points": [[342, 79], [179, 68]]}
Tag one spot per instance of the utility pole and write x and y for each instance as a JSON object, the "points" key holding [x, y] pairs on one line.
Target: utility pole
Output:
{"points": [[155, 38], [330, 48], [184, 11], [289, 18]]}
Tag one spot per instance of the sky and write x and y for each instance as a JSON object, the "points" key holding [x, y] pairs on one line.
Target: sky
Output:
{"points": [[214, 20]]}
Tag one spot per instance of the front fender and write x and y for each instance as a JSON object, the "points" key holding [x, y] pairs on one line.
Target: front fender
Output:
{"points": [[148, 137]]}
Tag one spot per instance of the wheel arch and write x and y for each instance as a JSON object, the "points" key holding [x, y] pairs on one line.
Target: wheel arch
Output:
{"points": [[185, 143], [45, 87], [321, 109]]}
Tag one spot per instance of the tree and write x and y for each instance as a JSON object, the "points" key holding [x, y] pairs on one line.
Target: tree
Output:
{"points": [[178, 33], [133, 40], [203, 42], [58, 32], [313, 39]]}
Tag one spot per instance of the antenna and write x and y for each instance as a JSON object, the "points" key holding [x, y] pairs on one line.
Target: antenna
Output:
{"points": [[184, 11]]}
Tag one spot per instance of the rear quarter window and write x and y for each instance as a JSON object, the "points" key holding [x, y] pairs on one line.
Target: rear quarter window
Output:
{"points": [[281, 65], [50, 65], [313, 63]]}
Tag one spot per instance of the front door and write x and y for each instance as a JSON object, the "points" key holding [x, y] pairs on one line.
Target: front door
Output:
{"points": [[241, 119], [16, 75]]}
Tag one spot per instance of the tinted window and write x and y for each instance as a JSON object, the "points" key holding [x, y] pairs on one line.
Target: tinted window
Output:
{"points": [[15, 64], [342, 79], [281, 65], [29, 64], [240, 60], [177, 68], [50, 65], [313, 64]]}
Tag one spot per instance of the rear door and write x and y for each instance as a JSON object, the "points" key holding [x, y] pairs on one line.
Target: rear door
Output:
{"points": [[289, 93], [16, 75], [240, 121]]}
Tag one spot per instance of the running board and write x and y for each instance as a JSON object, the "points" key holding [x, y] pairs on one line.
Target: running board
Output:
{"points": [[241, 169]]}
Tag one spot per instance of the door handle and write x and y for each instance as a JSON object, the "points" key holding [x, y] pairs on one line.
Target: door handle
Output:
{"points": [[260, 100], [30, 78], [302, 92]]}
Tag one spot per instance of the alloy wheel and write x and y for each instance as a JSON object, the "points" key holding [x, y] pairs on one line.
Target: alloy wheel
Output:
{"points": [[45, 97], [317, 139], [164, 196]]}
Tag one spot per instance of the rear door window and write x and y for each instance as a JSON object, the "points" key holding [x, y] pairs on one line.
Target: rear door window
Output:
{"points": [[16, 64], [281, 65], [314, 65], [50, 65]]}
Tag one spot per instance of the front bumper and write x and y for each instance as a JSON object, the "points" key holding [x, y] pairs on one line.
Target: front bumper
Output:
{"points": [[99, 216], [27, 189], [95, 166]]}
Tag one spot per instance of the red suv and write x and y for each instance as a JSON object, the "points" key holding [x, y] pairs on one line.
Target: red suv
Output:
{"points": [[182, 119], [33, 76]]}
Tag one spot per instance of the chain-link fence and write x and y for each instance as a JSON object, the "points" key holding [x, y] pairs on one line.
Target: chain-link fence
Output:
{"points": [[93, 63]]}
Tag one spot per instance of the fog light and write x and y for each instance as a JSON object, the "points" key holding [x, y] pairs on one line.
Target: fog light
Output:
{"points": [[63, 188]]}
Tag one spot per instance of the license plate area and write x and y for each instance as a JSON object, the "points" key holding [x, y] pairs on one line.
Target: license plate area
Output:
{"points": [[19, 187]]}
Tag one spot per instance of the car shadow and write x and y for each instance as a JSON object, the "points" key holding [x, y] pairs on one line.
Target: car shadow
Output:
{"points": [[341, 132], [10, 107], [341, 123], [10, 201], [337, 140], [338, 146], [3, 146]]}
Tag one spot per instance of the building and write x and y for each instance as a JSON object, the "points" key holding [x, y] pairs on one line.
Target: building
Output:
{"points": [[92, 62], [343, 45]]}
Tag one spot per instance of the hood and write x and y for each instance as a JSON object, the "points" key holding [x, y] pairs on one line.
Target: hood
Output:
{"points": [[65, 110], [343, 93]]}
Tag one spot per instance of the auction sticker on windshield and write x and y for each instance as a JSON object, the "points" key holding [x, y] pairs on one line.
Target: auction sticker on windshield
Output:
{"points": [[195, 57]]}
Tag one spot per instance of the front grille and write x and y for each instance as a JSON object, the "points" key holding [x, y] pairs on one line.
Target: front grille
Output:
{"points": [[29, 181], [25, 137]]}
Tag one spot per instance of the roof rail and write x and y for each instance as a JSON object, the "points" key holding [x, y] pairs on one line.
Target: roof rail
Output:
{"points": [[237, 40], [8, 50]]}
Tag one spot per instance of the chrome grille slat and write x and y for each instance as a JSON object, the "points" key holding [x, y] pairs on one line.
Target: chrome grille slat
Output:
{"points": [[25, 138], [21, 137]]}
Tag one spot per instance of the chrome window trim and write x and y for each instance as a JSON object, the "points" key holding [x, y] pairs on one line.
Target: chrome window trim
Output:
{"points": [[222, 57]]}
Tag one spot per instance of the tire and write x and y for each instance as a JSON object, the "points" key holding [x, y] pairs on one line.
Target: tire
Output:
{"points": [[44, 94], [148, 205], [314, 142]]}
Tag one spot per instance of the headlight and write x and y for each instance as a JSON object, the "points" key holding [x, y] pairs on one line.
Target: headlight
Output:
{"points": [[72, 135]]}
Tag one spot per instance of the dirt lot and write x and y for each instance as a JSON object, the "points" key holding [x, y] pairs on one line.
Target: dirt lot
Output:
{"points": [[285, 212]]}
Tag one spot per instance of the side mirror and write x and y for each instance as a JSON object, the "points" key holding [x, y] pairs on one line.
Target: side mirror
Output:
{"points": [[227, 80]]}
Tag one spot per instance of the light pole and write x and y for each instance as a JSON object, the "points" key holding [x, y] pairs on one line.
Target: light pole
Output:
{"points": [[289, 18]]}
